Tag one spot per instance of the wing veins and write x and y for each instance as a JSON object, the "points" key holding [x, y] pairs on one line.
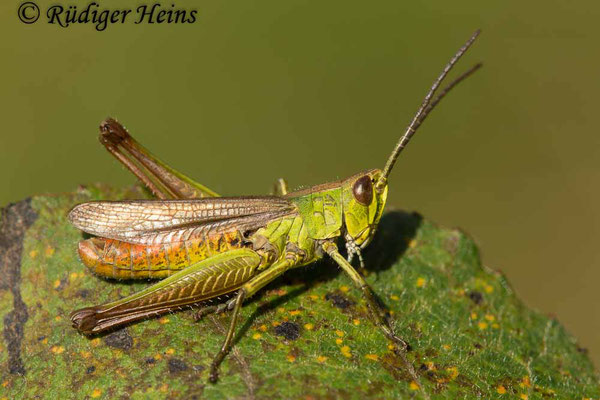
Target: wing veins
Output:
{"points": [[155, 222]]}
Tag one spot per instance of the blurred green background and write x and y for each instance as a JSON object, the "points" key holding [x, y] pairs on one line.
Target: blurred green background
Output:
{"points": [[313, 91]]}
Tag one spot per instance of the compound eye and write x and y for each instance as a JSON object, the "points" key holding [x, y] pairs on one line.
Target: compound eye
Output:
{"points": [[363, 190]]}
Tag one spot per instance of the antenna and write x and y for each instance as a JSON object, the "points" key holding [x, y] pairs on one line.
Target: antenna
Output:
{"points": [[426, 107]]}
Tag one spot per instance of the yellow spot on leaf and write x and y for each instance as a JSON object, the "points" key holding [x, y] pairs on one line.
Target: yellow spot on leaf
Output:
{"points": [[414, 386], [73, 275], [295, 312], [356, 322], [164, 320], [525, 382], [421, 282], [275, 323], [85, 354], [256, 336], [322, 359], [339, 333], [56, 284], [430, 366], [490, 317], [394, 297], [57, 318], [501, 389], [453, 371], [373, 357], [473, 315], [281, 309], [446, 347], [5, 384], [412, 244], [170, 351], [391, 347], [163, 388], [291, 358], [96, 393], [309, 326], [524, 396], [346, 351], [33, 254], [95, 342], [339, 341], [488, 288], [344, 289], [45, 341], [495, 326], [314, 297], [158, 356], [482, 325], [49, 252], [262, 328], [57, 349]]}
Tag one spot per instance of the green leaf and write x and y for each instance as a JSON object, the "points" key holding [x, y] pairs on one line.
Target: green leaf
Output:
{"points": [[306, 335]]}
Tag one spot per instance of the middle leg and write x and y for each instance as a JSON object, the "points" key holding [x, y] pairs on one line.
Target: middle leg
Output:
{"points": [[214, 309], [246, 291], [281, 187]]}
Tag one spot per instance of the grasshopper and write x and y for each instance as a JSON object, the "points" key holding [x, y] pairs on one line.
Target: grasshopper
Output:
{"points": [[206, 246]]}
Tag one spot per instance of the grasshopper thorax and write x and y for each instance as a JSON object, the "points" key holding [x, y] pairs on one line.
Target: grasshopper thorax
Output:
{"points": [[363, 206]]}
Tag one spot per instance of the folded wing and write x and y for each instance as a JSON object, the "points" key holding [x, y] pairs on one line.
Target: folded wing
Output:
{"points": [[165, 221]]}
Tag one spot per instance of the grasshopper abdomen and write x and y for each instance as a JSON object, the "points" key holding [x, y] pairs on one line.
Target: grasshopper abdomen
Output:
{"points": [[117, 259]]}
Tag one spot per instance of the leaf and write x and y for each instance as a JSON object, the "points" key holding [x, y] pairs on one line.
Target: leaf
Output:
{"points": [[306, 335]]}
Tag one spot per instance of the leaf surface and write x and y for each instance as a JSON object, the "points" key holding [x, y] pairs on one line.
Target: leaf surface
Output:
{"points": [[305, 336]]}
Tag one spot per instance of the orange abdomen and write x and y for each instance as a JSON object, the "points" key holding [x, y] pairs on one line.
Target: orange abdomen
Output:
{"points": [[111, 258]]}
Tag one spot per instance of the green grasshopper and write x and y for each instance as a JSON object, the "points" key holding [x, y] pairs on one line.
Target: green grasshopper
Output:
{"points": [[206, 246]]}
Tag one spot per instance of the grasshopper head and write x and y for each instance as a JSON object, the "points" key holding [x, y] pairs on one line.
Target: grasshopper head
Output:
{"points": [[364, 194], [363, 207]]}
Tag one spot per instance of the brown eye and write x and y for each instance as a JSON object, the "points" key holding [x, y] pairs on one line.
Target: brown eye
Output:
{"points": [[363, 190]]}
